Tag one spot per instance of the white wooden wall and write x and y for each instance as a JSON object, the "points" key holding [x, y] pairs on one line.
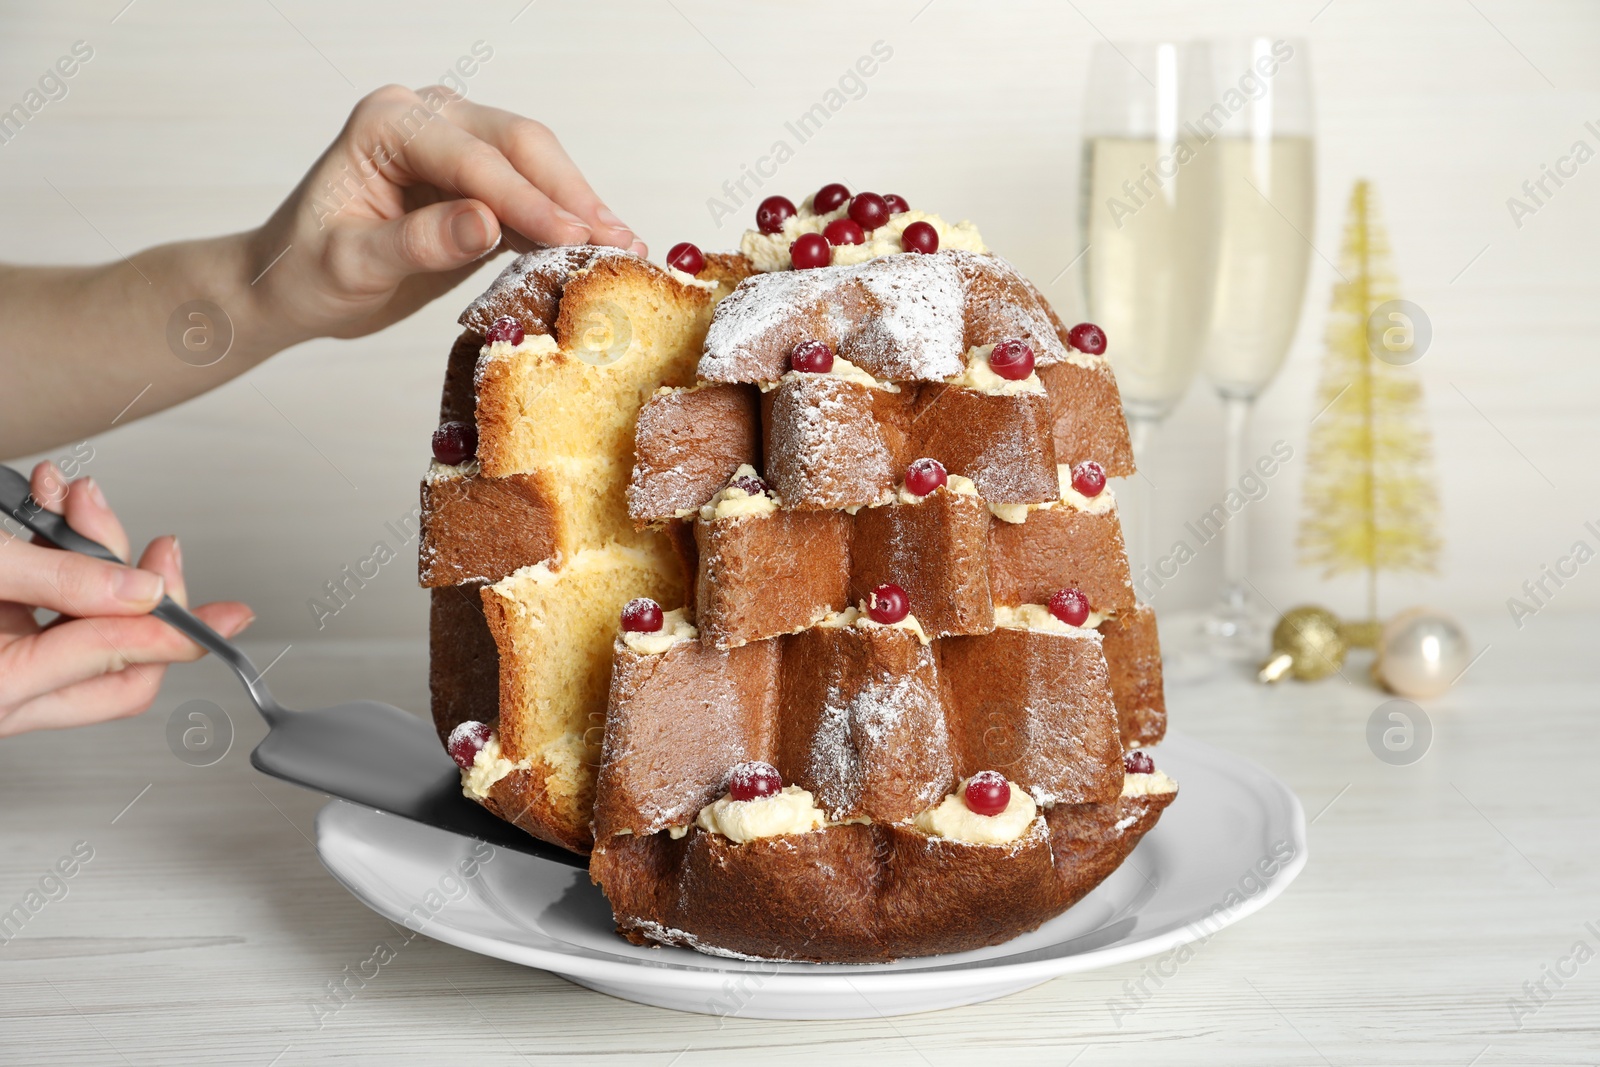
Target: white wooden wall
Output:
{"points": [[195, 118]]}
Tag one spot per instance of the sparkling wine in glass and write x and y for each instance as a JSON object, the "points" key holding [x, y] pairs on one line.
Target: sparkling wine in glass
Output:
{"points": [[1266, 199], [1148, 217]]}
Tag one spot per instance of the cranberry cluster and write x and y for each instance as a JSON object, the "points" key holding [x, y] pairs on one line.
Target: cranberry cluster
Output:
{"points": [[865, 213]]}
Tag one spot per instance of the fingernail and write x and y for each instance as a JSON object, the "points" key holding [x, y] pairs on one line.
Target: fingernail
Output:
{"points": [[570, 219], [95, 493], [177, 554], [470, 231], [639, 248], [241, 627], [139, 587], [607, 216]]}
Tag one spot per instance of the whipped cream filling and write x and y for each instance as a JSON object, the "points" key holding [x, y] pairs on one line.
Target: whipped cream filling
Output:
{"points": [[685, 278], [732, 500], [858, 618], [488, 767], [842, 368], [1145, 785], [980, 377], [444, 472], [1092, 505], [959, 484], [533, 344], [770, 251], [1038, 617], [952, 818], [675, 629], [789, 811]]}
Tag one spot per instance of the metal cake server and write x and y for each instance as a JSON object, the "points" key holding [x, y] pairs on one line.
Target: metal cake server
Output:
{"points": [[363, 751]]}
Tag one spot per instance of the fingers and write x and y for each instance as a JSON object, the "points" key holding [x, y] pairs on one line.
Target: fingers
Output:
{"points": [[438, 238], [536, 153], [73, 584], [111, 696], [83, 505], [82, 649], [408, 142], [163, 556]]}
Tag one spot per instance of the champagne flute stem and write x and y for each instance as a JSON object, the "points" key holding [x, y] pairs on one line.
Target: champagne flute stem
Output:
{"points": [[1235, 545], [1141, 432]]}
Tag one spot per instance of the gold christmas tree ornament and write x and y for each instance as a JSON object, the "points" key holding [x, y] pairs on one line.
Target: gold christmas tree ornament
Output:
{"points": [[1308, 643], [1369, 499]]}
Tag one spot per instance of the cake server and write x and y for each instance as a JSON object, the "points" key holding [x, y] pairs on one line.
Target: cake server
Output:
{"points": [[363, 751]]}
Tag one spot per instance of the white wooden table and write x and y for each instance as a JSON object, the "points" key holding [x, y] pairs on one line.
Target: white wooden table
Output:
{"points": [[203, 927]]}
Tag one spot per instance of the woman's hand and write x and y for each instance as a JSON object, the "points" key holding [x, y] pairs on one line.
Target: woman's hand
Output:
{"points": [[411, 196], [104, 657], [417, 188]]}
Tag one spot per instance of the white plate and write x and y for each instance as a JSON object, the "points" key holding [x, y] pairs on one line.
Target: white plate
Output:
{"points": [[1231, 842]]}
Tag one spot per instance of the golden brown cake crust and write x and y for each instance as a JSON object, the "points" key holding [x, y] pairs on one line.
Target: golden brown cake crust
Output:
{"points": [[1133, 658], [688, 444], [482, 529], [863, 893], [464, 665], [937, 550], [763, 576], [1057, 548]]}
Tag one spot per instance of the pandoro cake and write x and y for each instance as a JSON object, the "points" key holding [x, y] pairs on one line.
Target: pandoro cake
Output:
{"points": [[793, 575]]}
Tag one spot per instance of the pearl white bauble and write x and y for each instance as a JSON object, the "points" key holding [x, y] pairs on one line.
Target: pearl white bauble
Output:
{"points": [[1421, 652]]}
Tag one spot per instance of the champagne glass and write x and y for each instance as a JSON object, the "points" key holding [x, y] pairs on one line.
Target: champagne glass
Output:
{"points": [[1266, 198], [1147, 213]]}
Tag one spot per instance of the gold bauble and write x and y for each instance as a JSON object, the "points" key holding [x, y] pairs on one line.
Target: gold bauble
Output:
{"points": [[1421, 653], [1307, 644]]}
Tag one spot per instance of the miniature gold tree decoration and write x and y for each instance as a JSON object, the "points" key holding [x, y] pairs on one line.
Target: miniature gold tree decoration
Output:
{"points": [[1369, 500]]}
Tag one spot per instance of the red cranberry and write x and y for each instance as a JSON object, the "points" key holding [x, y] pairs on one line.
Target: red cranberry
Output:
{"points": [[506, 329], [869, 210], [465, 742], [811, 357], [773, 213], [988, 793], [829, 197], [687, 258], [896, 202], [1070, 606], [1137, 762], [920, 237], [641, 615], [1012, 360], [1089, 478], [455, 442], [888, 604], [750, 484], [843, 232], [810, 250], [754, 780], [924, 476], [1087, 337]]}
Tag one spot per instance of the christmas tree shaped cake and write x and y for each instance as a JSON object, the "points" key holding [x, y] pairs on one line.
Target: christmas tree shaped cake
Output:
{"points": [[803, 606]]}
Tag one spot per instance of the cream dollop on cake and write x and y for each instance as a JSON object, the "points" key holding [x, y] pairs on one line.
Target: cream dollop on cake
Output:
{"points": [[770, 251], [488, 767], [733, 499], [1038, 617], [675, 629], [791, 810], [979, 376], [951, 818], [1146, 785], [857, 617]]}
